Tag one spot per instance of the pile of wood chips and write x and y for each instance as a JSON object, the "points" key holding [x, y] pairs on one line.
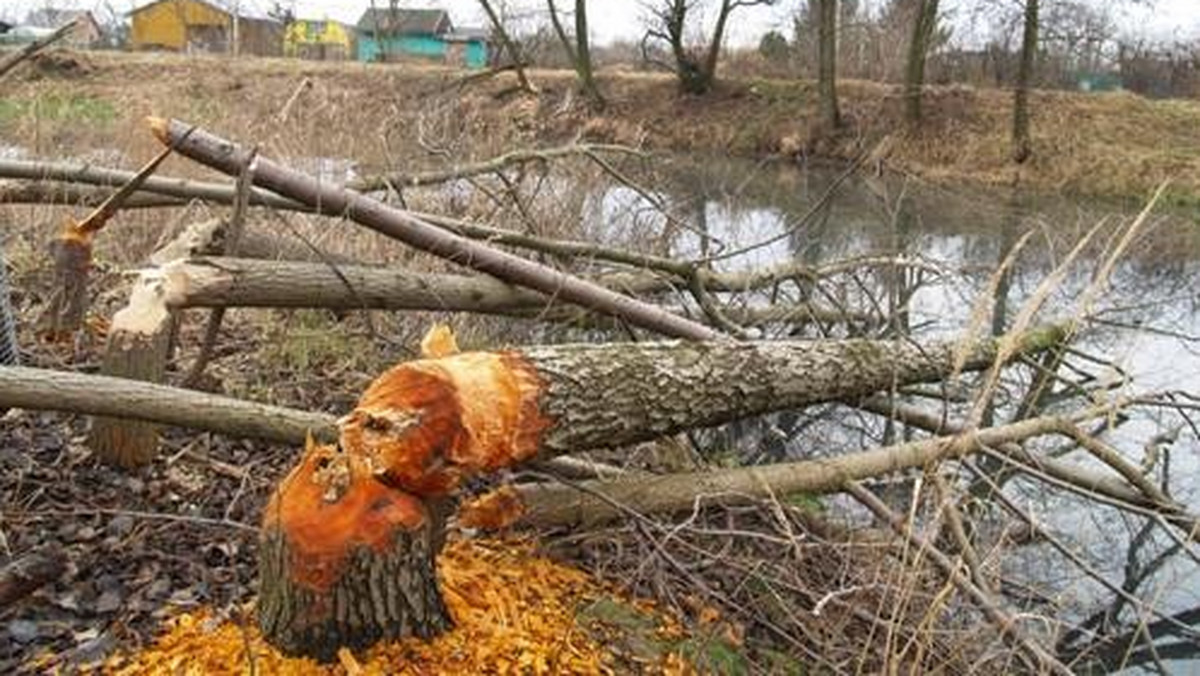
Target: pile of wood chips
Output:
{"points": [[514, 613]]}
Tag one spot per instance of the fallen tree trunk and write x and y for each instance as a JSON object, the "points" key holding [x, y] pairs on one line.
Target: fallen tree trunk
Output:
{"points": [[790, 366], [25, 575], [216, 282], [47, 390], [348, 514], [424, 426], [596, 502], [403, 226], [168, 191]]}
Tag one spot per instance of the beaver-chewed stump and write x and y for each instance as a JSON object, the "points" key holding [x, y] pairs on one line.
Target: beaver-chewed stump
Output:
{"points": [[351, 535], [347, 560]]}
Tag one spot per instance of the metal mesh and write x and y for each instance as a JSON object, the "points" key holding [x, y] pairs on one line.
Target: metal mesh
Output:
{"points": [[8, 322]]}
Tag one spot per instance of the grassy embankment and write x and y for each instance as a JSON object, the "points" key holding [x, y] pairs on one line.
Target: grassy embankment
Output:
{"points": [[1104, 145]]}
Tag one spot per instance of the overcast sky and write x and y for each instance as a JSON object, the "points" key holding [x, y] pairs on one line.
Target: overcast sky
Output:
{"points": [[613, 19]]}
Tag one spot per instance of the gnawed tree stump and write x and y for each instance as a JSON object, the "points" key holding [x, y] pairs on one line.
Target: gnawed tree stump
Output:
{"points": [[138, 341], [369, 504], [72, 252], [347, 560]]}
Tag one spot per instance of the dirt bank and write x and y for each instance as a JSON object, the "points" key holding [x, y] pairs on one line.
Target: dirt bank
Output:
{"points": [[1115, 145]]}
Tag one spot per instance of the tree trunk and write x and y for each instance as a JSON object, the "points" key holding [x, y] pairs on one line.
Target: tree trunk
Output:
{"points": [[424, 426], [827, 64], [924, 24], [10, 355], [714, 46], [598, 502], [229, 158], [72, 253], [47, 390], [1022, 146], [348, 565], [351, 534], [514, 52], [583, 55], [137, 349]]}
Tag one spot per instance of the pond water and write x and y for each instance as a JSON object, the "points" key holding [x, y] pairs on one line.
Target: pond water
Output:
{"points": [[1147, 338]]}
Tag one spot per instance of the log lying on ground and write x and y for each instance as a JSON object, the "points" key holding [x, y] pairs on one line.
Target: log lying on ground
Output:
{"points": [[215, 282], [424, 426], [25, 575], [168, 191], [403, 226], [596, 502], [48, 390]]}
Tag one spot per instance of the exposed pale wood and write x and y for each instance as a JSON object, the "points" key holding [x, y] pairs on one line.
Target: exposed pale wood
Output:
{"points": [[137, 349]]}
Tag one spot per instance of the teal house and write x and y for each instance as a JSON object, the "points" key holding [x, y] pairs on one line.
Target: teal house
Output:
{"points": [[386, 34]]}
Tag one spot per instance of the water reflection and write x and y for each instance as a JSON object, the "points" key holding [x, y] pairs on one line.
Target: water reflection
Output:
{"points": [[1148, 340]]}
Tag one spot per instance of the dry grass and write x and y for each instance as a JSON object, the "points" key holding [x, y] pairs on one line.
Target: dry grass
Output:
{"points": [[1112, 144], [799, 597]]}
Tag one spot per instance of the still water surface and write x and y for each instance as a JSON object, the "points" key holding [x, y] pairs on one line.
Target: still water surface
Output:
{"points": [[1147, 338]]}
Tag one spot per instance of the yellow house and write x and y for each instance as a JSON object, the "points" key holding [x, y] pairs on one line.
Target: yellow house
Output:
{"points": [[318, 39], [200, 26]]}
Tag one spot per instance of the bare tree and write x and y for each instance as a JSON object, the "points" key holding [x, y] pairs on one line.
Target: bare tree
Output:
{"points": [[923, 24], [696, 68], [1022, 146], [578, 51], [827, 13], [509, 45]]}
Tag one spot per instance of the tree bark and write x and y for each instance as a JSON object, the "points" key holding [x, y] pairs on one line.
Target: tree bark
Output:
{"points": [[137, 349], [598, 502], [72, 254], [10, 354], [25, 575], [349, 515], [47, 390], [423, 427], [583, 55], [1022, 146], [229, 158], [827, 27], [347, 565], [510, 46], [924, 24]]}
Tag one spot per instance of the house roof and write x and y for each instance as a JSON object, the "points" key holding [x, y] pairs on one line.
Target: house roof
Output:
{"points": [[246, 10], [53, 18], [468, 35], [405, 21]]}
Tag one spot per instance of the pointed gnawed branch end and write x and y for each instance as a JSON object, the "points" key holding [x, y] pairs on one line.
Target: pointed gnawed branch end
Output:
{"points": [[160, 127]]}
